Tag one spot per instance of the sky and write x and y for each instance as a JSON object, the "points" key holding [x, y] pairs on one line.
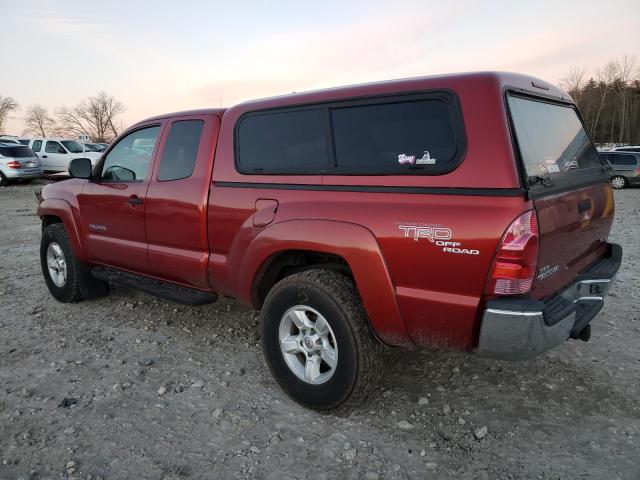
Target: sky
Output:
{"points": [[162, 56]]}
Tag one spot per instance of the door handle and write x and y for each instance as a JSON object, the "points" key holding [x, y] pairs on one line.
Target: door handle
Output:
{"points": [[44, 156], [134, 200]]}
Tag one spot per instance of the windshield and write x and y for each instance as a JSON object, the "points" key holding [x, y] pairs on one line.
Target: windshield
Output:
{"points": [[72, 146], [553, 144]]}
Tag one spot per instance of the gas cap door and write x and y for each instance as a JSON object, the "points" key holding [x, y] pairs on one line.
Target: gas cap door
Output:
{"points": [[265, 212]]}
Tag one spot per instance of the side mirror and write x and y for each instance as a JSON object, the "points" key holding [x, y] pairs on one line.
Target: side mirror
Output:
{"points": [[80, 168]]}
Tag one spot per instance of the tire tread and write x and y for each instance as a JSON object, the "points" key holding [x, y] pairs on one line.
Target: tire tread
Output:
{"points": [[370, 351], [73, 293]]}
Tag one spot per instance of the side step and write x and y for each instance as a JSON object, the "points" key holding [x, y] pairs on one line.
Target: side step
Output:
{"points": [[165, 290]]}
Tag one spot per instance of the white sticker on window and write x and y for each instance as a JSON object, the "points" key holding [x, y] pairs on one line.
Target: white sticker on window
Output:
{"points": [[406, 159], [426, 159]]}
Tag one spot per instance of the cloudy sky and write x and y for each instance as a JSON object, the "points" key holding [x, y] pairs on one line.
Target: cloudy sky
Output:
{"points": [[159, 56]]}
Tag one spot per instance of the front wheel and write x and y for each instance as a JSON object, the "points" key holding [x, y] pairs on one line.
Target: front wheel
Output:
{"points": [[317, 341], [618, 182], [68, 279]]}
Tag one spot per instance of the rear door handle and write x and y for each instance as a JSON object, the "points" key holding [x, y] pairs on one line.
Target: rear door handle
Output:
{"points": [[44, 156], [134, 200]]}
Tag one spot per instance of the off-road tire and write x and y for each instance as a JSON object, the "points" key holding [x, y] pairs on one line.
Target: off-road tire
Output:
{"points": [[80, 284], [360, 354]]}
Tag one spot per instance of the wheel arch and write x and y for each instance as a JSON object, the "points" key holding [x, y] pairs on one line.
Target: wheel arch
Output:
{"points": [[52, 211], [352, 249]]}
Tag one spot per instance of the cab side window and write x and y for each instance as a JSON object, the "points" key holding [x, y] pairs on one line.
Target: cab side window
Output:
{"points": [[54, 147], [180, 150], [37, 145], [129, 160]]}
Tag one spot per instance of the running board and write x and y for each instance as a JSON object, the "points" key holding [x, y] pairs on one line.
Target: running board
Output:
{"points": [[165, 290]]}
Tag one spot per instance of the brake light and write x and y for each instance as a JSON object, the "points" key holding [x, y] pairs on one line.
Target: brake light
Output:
{"points": [[13, 164], [514, 267]]}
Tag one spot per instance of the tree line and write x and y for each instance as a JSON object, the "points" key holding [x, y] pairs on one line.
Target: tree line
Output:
{"points": [[96, 117], [609, 101]]}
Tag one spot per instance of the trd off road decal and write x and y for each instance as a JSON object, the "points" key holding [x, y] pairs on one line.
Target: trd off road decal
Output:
{"points": [[437, 235]]}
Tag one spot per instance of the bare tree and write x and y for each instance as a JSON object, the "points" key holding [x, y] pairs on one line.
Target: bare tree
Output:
{"points": [[610, 102], [38, 121], [94, 116], [574, 82], [624, 76], [605, 79], [7, 105]]}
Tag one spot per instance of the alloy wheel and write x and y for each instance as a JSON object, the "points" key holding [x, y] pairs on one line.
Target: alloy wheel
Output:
{"points": [[308, 344], [56, 264]]}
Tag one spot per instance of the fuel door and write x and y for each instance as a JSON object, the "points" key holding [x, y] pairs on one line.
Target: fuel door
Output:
{"points": [[265, 212]]}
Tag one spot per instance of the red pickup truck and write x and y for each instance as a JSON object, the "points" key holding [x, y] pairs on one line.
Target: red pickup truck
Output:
{"points": [[465, 212]]}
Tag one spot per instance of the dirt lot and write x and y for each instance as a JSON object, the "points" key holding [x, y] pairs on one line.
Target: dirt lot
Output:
{"points": [[134, 387]]}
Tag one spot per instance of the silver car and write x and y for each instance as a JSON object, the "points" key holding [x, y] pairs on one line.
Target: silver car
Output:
{"points": [[626, 168], [18, 162]]}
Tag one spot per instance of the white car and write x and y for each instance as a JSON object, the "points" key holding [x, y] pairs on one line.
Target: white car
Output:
{"points": [[56, 153], [8, 139]]}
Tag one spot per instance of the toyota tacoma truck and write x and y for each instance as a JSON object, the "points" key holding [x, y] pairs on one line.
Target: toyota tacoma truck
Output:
{"points": [[466, 212]]}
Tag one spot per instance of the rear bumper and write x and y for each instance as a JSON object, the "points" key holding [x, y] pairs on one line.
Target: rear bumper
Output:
{"points": [[22, 173], [519, 329]]}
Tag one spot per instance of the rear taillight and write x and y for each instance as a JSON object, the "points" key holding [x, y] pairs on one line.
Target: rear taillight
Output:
{"points": [[514, 267], [13, 164]]}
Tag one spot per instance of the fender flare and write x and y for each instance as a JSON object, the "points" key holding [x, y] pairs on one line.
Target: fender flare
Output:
{"points": [[64, 210], [356, 244]]}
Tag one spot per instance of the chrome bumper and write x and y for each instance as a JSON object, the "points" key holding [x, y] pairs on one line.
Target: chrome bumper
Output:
{"points": [[519, 329]]}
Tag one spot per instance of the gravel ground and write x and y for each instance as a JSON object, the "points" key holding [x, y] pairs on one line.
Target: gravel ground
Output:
{"points": [[134, 387]]}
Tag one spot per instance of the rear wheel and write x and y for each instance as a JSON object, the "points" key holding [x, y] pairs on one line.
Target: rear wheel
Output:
{"points": [[68, 279], [317, 341], [618, 182], [3, 180]]}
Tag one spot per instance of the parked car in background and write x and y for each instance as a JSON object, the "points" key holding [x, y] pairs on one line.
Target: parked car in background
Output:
{"points": [[18, 162], [628, 148], [95, 147], [9, 139], [626, 168], [56, 153], [24, 141]]}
